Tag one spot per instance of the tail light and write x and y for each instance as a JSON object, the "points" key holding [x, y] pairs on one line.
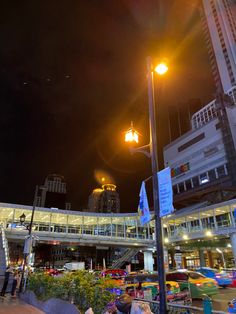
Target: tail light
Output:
{"points": [[198, 284], [231, 305]]}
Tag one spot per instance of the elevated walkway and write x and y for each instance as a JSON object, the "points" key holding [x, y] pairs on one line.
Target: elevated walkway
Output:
{"points": [[61, 226], [4, 253]]}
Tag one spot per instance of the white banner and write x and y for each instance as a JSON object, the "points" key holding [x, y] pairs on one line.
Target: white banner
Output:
{"points": [[165, 192]]}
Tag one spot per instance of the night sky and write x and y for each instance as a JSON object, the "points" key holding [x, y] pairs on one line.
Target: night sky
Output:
{"points": [[73, 76]]}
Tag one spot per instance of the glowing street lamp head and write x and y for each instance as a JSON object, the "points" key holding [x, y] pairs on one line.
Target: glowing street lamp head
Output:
{"points": [[131, 135], [161, 68]]}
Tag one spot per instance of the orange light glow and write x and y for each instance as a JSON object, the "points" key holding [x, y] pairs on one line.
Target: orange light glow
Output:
{"points": [[161, 68], [131, 135]]}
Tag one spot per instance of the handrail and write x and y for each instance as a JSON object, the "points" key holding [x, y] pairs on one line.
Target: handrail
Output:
{"points": [[179, 307]]}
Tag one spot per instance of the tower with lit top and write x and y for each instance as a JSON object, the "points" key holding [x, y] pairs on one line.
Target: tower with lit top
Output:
{"points": [[105, 199]]}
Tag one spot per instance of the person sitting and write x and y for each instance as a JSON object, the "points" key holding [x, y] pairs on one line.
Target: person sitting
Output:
{"points": [[168, 289], [139, 294]]}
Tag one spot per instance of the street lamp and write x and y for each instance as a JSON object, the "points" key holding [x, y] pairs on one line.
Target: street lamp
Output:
{"points": [[152, 153], [28, 242], [131, 135], [22, 219]]}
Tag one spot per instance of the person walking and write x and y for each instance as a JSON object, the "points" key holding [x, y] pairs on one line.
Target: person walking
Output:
{"points": [[8, 272], [16, 279]]}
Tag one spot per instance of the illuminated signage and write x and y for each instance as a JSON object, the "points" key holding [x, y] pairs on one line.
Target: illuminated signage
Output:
{"points": [[179, 170]]}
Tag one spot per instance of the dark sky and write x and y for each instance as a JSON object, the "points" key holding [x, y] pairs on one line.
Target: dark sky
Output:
{"points": [[73, 76]]}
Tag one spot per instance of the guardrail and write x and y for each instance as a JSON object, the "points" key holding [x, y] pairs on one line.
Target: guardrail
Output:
{"points": [[182, 309]]}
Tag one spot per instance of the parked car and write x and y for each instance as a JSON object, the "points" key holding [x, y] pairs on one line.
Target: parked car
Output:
{"points": [[232, 274], [197, 283], [150, 287], [114, 273], [51, 272], [150, 278], [222, 278]]}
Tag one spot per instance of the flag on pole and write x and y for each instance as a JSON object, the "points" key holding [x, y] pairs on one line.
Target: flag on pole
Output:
{"points": [[143, 207]]}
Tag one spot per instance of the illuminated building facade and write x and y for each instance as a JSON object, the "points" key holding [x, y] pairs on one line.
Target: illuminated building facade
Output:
{"points": [[203, 160], [219, 25], [104, 200]]}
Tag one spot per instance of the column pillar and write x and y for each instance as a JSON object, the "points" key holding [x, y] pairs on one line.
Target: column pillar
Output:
{"points": [[233, 244], [184, 262], [210, 260], [202, 258], [148, 261]]}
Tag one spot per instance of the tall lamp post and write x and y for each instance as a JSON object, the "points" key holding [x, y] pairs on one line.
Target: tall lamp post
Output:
{"points": [[160, 69], [28, 242]]}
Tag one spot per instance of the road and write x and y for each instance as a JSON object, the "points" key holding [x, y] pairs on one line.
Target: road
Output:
{"points": [[220, 301]]}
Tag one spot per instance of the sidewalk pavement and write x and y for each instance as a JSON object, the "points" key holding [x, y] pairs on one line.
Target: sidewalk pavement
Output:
{"points": [[9, 305]]}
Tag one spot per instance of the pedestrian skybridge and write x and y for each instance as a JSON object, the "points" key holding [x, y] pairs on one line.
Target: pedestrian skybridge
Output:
{"points": [[57, 226], [201, 222]]}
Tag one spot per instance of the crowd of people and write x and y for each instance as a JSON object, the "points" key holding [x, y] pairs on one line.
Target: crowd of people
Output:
{"points": [[16, 275]]}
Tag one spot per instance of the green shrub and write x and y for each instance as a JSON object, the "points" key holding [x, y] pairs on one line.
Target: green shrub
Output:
{"points": [[79, 287]]}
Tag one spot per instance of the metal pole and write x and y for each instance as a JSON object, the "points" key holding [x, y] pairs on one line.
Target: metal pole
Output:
{"points": [[223, 259], [26, 255], [154, 160]]}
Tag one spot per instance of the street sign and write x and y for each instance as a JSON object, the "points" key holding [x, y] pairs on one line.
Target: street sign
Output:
{"points": [[165, 192]]}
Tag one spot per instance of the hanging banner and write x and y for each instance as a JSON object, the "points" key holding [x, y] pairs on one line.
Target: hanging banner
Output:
{"points": [[143, 207], [165, 192]]}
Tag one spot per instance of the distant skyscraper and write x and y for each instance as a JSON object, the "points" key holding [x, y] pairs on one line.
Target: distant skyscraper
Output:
{"points": [[105, 200], [219, 24], [53, 193]]}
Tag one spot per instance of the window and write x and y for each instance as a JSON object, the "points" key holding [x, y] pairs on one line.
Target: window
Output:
{"points": [[181, 187], [177, 276], [191, 142], [194, 275], [195, 181], [212, 175], [188, 184], [175, 190], [221, 172], [204, 178]]}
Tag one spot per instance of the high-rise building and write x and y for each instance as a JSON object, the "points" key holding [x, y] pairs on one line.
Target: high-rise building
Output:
{"points": [[53, 193], [104, 200], [203, 160], [219, 25]]}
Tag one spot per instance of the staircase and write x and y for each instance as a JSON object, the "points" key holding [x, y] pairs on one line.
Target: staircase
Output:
{"points": [[4, 252], [126, 257]]}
